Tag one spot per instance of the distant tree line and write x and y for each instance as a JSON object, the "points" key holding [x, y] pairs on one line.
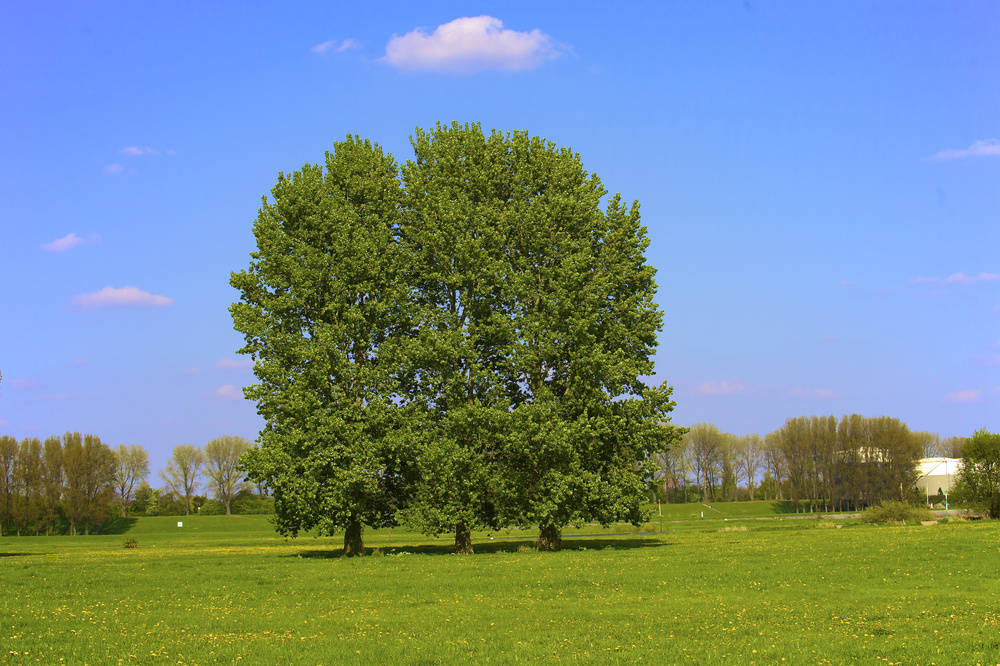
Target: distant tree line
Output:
{"points": [[76, 483], [812, 461]]}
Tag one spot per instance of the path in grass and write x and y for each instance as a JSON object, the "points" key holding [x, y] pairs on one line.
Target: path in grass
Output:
{"points": [[799, 592]]}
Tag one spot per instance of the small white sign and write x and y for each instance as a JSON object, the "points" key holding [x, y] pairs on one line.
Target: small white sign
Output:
{"points": [[180, 524]]}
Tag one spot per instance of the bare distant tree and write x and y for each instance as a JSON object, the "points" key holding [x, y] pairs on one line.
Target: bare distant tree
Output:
{"points": [[221, 455], [930, 443], [704, 447], [132, 468], [749, 456], [181, 473], [951, 447]]}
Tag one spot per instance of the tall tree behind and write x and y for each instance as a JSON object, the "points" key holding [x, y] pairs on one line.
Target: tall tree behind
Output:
{"points": [[74, 494], [930, 443], [52, 481], [29, 484], [750, 456], [182, 471], [8, 457], [222, 455], [321, 305], [99, 482], [774, 464], [131, 469]]}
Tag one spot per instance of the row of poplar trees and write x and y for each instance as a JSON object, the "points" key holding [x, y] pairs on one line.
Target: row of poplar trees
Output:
{"points": [[75, 478], [847, 463], [455, 344]]}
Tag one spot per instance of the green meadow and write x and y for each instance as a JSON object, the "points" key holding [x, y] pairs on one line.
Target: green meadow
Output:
{"points": [[228, 590]]}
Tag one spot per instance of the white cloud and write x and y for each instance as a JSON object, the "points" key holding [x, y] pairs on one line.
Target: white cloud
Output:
{"points": [[846, 283], [725, 387], [987, 148], [815, 393], [349, 43], [468, 45], [968, 395], [191, 371], [113, 169], [138, 151], [18, 382], [124, 296], [3, 424], [231, 364], [68, 242]]}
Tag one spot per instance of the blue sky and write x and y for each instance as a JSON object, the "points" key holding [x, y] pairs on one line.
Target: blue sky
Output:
{"points": [[819, 181]]}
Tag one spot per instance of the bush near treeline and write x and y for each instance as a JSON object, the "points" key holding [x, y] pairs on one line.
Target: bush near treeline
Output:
{"points": [[816, 462]]}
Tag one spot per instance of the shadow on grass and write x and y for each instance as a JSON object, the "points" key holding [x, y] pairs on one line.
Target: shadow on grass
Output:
{"points": [[20, 554], [584, 542], [118, 525]]}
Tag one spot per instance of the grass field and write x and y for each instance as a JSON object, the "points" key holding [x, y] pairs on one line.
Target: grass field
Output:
{"points": [[224, 590]]}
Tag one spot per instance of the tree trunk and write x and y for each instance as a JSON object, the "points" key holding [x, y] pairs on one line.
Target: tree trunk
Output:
{"points": [[353, 543], [227, 507], [463, 539], [549, 539]]}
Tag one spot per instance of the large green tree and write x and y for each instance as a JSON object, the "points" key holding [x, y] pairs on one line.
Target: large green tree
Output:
{"points": [[586, 323], [319, 311], [979, 481], [455, 238]]}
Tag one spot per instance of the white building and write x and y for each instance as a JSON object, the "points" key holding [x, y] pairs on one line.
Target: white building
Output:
{"points": [[937, 474]]}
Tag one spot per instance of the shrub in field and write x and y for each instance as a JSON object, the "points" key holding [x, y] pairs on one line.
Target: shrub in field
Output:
{"points": [[130, 542], [212, 507], [894, 512]]}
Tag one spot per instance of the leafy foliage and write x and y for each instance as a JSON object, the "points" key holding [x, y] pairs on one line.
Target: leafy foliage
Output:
{"points": [[894, 512], [978, 484]]}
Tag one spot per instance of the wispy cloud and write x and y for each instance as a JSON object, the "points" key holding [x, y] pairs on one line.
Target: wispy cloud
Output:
{"points": [[227, 392], [968, 395], [958, 279], [121, 297], [68, 242], [468, 45], [20, 382], [54, 397], [846, 283], [725, 387], [113, 169], [3, 424], [191, 371], [138, 151], [335, 46], [987, 148], [231, 364], [799, 392]]}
